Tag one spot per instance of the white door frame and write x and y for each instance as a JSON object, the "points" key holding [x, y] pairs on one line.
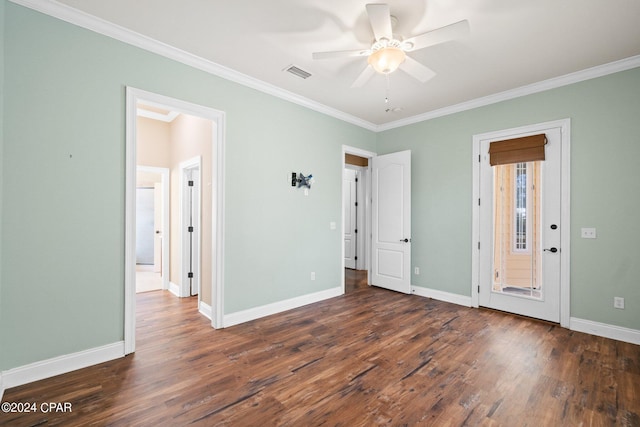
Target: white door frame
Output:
{"points": [[133, 96], [367, 198], [565, 231], [166, 235]]}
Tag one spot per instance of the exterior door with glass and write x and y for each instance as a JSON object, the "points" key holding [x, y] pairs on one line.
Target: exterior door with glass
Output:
{"points": [[520, 212]]}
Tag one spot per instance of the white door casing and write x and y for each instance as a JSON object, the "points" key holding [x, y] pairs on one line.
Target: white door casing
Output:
{"points": [[391, 221], [350, 218], [365, 198], [554, 302], [133, 96]]}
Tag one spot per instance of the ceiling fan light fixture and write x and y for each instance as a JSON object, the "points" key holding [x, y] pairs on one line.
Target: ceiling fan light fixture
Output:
{"points": [[387, 59]]}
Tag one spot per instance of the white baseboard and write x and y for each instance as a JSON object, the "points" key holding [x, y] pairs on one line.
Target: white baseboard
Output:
{"points": [[174, 289], [59, 365], [278, 307], [605, 330], [204, 309], [442, 295]]}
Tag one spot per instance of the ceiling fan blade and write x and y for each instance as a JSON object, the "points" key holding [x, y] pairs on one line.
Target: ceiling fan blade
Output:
{"points": [[341, 54], [364, 77], [443, 34], [380, 19], [417, 70]]}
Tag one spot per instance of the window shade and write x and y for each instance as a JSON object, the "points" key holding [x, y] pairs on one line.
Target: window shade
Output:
{"points": [[525, 149]]}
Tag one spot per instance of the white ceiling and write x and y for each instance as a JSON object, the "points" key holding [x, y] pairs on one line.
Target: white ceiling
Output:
{"points": [[511, 44]]}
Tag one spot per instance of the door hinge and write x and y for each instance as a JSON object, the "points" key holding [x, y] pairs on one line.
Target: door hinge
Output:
{"points": [[356, 230], [478, 201], [190, 275], [356, 258], [478, 288], [190, 229], [478, 245], [356, 203], [478, 158], [190, 183]]}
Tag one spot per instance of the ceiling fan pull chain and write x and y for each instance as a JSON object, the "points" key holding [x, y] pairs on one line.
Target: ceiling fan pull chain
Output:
{"points": [[386, 98]]}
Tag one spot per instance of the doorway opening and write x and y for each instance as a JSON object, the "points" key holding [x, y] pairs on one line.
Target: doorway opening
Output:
{"points": [[152, 225], [356, 220], [210, 198]]}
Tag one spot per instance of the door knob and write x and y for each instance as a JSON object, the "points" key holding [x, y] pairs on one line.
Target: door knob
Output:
{"points": [[552, 250], [405, 240]]}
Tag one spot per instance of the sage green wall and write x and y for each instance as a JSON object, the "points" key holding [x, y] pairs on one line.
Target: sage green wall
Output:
{"points": [[605, 190], [63, 211]]}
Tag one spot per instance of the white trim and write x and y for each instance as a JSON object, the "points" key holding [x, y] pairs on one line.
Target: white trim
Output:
{"points": [[134, 95], [553, 83], [367, 238], [60, 365], [174, 289], [280, 306], [441, 295], [166, 232], [605, 330], [565, 216], [2, 388], [204, 309], [100, 26], [130, 223]]}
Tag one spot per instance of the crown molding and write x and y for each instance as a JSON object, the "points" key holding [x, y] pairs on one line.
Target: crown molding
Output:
{"points": [[100, 26], [167, 118], [553, 83]]}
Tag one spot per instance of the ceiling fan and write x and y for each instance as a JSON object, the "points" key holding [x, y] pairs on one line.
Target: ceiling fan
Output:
{"points": [[389, 51]]}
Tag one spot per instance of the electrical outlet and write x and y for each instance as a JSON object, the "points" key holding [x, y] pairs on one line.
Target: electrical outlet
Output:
{"points": [[588, 233], [618, 302], [416, 271], [313, 275]]}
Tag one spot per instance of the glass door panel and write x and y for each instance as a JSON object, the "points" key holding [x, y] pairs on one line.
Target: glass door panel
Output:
{"points": [[517, 268]]}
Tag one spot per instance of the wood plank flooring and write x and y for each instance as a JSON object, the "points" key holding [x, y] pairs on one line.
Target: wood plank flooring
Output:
{"points": [[370, 357]]}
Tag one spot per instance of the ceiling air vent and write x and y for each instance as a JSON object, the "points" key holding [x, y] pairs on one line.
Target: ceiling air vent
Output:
{"points": [[297, 72]]}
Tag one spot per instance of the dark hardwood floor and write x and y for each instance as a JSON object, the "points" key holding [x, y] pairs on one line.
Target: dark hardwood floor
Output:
{"points": [[370, 357]]}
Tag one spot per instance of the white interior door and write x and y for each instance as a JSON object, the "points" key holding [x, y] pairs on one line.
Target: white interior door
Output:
{"points": [[350, 219], [391, 221], [520, 229]]}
